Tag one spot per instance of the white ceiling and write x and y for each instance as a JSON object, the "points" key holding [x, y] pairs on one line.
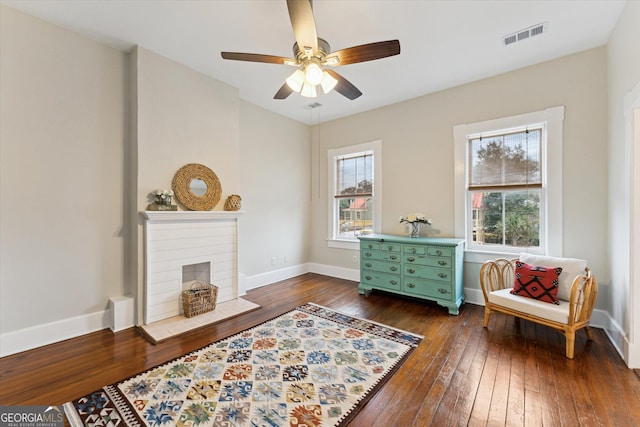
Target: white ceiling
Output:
{"points": [[444, 43]]}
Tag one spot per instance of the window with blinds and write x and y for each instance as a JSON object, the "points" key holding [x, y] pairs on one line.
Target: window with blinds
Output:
{"points": [[505, 188], [354, 194]]}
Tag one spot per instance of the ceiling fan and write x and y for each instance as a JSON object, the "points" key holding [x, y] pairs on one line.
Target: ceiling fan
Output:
{"points": [[313, 55]]}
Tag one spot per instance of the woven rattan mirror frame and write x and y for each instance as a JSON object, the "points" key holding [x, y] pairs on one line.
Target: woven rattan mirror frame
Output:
{"points": [[181, 187]]}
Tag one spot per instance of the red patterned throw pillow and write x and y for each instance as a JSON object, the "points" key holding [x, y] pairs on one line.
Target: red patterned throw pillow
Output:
{"points": [[540, 283]]}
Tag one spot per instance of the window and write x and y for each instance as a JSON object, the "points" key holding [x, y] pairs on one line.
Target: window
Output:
{"points": [[508, 184], [354, 193], [505, 189]]}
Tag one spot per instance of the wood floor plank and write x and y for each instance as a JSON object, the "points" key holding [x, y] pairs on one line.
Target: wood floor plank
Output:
{"points": [[453, 353], [550, 402], [516, 409], [484, 398], [461, 374]]}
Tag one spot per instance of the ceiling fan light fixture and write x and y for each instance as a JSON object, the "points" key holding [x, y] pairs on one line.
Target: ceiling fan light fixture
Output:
{"points": [[308, 90], [296, 80], [328, 82], [313, 73]]}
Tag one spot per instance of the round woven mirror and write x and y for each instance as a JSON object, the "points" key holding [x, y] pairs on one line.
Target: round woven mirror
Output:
{"points": [[197, 187]]}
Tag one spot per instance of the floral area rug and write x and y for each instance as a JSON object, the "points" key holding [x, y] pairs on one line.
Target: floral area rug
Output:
{"points": [[309, 367]]}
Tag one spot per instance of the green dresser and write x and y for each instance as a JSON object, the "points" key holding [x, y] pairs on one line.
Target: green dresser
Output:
{"points": [[422, 267]]}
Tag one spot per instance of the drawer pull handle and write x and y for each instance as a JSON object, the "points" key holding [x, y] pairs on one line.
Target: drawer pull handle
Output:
{"points": [[442, 262], [367, 254], [442, 275], [411, 285], [367, 277], [370, 246], [393, 257], [393, 282], [442, 291], [410, 270], [393, 268], [368, 264], [413, 250], [411, 259], [438, 252], [390, 247]]}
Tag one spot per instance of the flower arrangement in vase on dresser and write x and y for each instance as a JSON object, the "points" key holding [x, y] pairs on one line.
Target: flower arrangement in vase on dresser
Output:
{"points": [[414, 220]]}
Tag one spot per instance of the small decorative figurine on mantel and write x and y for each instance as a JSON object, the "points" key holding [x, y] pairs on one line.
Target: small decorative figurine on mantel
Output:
{"points": [[162, 201]]}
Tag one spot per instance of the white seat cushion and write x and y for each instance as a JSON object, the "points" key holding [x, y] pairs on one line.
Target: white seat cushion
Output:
{"points": [[571, 267], [557, 313]]}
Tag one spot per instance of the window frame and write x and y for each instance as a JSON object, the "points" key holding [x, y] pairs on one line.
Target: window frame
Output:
{"points": [[551, 192], [537, 186], [375, 147]]}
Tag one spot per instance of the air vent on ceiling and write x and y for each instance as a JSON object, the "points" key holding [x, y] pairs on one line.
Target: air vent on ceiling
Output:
{"points": [[313, 105], [521, 35]]}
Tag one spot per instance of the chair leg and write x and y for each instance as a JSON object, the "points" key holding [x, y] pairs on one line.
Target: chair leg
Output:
{"points": [[487, 313], [589, 333], [570, 336]]}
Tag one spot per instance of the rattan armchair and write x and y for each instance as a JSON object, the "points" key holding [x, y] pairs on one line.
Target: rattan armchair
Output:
{"points": [[496, 280]]}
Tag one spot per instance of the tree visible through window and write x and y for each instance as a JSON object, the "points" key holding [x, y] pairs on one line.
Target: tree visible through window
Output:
{"points": [[505, 188]]}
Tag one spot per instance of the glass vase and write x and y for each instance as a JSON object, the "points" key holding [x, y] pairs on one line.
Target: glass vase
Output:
{"points": [[415, 229]]}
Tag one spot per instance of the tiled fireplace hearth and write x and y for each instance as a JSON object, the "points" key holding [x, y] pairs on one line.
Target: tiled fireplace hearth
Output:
{"points": [[184, 246]]}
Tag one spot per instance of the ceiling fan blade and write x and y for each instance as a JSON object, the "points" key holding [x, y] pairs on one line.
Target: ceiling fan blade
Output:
{"points": [[364, 52], [303, 24], [257, 57], [283, 92], [344, 86]]}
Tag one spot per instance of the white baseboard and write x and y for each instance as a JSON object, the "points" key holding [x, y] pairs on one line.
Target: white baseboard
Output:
{"points": [[49, 333], [263, 279], [333, 271]]}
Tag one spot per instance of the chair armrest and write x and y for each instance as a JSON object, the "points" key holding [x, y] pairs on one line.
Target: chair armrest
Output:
{"points": [[495, 275], [583, 297]]}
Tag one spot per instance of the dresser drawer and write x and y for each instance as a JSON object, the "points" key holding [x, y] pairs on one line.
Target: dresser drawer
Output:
{"points": [[424, 272], [428, 260], [381, 280], [385, 256], [382, 266], [390, 247], [414, 249], [427, 288], [439, 251], [369, 245]]}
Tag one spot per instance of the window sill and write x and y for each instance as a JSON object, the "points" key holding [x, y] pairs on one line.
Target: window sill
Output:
{"points": [[344, 244], [478, 257]]}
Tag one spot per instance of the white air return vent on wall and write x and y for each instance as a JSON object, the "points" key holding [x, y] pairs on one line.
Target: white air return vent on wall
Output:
{"points": [[525, 34]]}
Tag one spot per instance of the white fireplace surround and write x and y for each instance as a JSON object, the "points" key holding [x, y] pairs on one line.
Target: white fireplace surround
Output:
{"points": [[174, 239]]}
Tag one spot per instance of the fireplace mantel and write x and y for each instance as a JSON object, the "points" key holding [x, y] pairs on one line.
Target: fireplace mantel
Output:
{"points": [[189, 215], [179, 241]]}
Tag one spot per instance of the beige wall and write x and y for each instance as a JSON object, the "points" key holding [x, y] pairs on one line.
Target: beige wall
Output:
{"points": [[275, 182], [62, 121], [417, 152], [623, 60]]}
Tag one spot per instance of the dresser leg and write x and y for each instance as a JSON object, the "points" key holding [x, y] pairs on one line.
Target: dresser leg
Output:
{"points": [[364, 291]]}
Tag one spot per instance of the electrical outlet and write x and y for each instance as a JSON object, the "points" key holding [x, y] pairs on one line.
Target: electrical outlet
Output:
{"points": [[273, 260], [355, 258]]}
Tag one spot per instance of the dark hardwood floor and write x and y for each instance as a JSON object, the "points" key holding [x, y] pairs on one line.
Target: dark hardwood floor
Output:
{"points": [[513, 373]]}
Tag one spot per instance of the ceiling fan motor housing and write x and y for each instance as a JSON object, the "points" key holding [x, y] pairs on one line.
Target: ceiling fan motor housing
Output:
{"points": [[301, 54]]}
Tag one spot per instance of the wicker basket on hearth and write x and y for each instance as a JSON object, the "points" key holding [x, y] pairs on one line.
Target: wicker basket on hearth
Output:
{"points": [[200, 298]]}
